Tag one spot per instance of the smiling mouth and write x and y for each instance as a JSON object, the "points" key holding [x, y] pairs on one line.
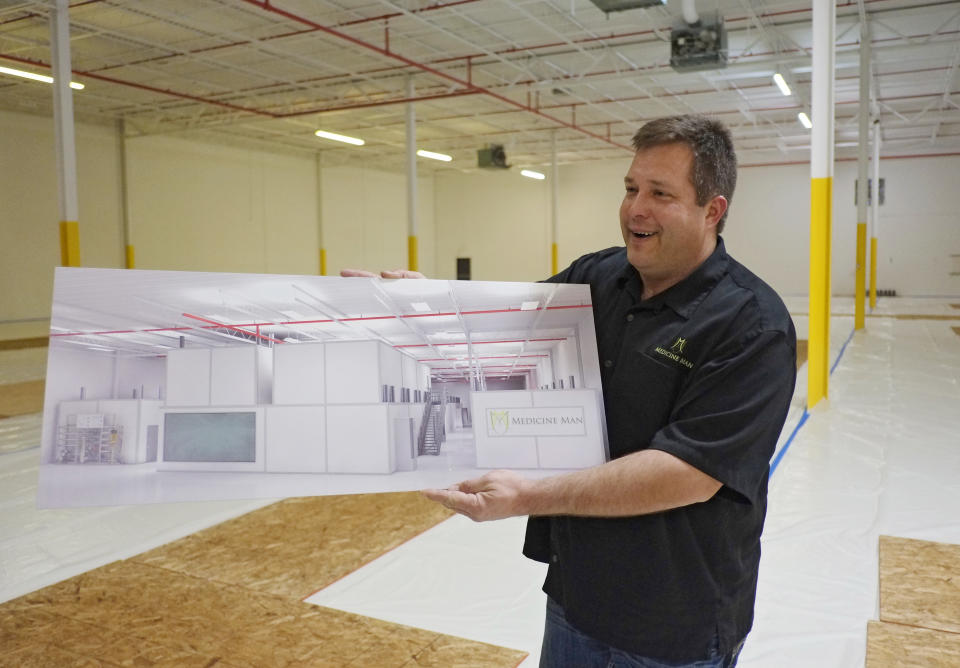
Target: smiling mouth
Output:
{"points": [[642, 235]]}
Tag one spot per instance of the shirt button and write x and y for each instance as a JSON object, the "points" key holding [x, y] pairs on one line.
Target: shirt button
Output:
{"points": [[608, 363], [629, 317], [554, 558]]}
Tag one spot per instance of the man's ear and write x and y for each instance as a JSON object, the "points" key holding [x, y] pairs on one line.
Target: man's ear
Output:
{"points": [[716, 207]]}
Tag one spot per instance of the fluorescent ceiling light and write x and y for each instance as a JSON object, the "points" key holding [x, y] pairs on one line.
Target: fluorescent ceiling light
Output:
{"points": [[781, 84], [420, 307], [335, 137], [805, 120], [36, 77], [529, 306], [293, 315], [529, 173], [434, 156], [290, 339]]}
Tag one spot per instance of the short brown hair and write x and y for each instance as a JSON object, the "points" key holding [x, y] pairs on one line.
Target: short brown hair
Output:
{"points": [[714, 170]]}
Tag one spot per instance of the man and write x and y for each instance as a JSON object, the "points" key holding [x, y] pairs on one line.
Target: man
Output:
{"points": [[653, 556]]}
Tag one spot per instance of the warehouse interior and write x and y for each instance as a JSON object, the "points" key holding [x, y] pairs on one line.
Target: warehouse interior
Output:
{"points": [[195, 127]]}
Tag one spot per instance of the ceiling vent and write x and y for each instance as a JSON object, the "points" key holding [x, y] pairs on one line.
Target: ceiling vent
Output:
{"points": [[492, 157], [700, 46], [607, 6]]}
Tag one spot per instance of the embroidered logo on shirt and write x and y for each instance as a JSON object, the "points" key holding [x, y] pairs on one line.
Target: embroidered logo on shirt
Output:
{"points": [[675, 352]]}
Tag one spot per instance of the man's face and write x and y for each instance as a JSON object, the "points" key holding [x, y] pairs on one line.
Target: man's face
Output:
{"points": [[666, 233]]}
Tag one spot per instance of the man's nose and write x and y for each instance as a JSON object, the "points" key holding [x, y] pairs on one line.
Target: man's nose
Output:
{"points": [[638, 207]]}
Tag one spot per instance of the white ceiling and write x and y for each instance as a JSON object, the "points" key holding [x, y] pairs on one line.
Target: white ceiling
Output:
{"points": [[453, 327], [510, 72]]}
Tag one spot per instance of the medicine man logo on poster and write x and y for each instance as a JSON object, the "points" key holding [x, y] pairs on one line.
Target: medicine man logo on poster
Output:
{"points": [[499, 422], [546, 421]]}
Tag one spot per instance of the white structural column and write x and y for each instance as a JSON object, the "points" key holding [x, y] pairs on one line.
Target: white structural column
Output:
{"points": [[411, 180], [64, 135], [554, 213], [862, 167], [821, 198], [875, 213]]}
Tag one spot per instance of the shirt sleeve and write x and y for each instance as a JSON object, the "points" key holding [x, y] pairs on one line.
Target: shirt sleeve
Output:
{"points": [[728, 418]]}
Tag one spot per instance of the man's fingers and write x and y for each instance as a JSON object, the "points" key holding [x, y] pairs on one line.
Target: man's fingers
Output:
{"points": [[401, 273], [390, 273], [454, 500]]}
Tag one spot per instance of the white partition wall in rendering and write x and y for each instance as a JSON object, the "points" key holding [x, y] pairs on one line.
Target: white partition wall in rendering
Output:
{"points": [[296, 439], [359, 439], [240, 375], [188, 377], [299, 373], [353, 368]]}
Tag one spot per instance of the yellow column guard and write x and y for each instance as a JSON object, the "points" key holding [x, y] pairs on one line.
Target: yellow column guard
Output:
{"points": [[69, 243], [818, 346], [323, 261], [553, 259], [130, 257], [858, 313], [412, 253]]}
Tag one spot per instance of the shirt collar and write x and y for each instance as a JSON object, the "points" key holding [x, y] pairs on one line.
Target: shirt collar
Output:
{"points": [[685, 296]]}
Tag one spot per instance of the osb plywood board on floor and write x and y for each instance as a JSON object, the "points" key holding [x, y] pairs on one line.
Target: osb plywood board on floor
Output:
{"points": [[295, 547], [890, 645], [21, 398], [919, 585], [130, 613]]}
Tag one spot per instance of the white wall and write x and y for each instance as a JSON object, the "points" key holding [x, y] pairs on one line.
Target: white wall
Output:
{"points": [[217, 208], [29, 214], [67, 371], [498, 219], [503, 225], [134, 372], [202, 207], [365, 220]]}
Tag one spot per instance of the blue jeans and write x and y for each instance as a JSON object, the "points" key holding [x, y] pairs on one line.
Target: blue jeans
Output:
{"points": [[566, 647]]}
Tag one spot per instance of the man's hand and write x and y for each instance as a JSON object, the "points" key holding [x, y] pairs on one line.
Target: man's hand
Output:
{"points": [[395, 273], [494, 496]]}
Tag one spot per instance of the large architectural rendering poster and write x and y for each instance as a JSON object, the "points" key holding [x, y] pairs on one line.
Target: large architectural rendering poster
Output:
{"points": [[170, 386]]}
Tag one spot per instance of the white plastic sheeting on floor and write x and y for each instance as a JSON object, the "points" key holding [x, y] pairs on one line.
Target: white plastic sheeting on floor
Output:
{"points": [[40, 547], [881, 456]]}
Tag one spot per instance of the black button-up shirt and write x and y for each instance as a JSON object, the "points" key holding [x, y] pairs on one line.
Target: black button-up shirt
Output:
{"points": [[704, 371]]}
